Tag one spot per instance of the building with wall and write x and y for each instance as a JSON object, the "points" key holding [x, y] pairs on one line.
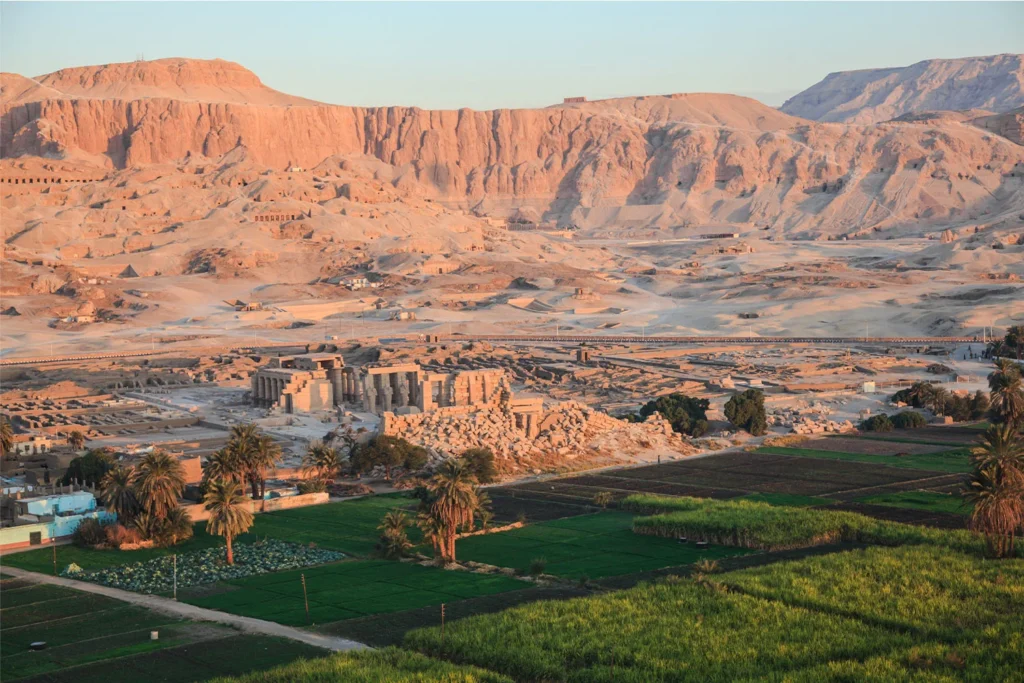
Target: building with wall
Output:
{"points": [[43, 519], [300, 384]]}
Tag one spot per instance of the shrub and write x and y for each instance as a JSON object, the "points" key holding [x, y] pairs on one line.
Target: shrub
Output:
{"points": [[312, 486], [89, 533], [537, 566], [979, 405], [688, 415], [877, 423], [480, 461], [89, 468], [387, 452], [603, 498], [746, 411], [908, 419], [119, 535]]}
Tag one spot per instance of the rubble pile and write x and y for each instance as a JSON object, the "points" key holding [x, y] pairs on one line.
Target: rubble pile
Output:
{"points": [[568, 430], [810, 420]]}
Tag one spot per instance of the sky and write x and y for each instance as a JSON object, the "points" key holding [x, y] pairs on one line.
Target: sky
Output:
{"points": [[487, 55]]}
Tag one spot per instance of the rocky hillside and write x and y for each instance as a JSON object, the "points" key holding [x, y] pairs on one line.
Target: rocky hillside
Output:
{"points": [[995, 84], [648, 162]]}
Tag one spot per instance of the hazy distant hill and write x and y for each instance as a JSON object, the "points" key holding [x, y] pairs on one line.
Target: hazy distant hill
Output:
{"points": [[994, 83]]}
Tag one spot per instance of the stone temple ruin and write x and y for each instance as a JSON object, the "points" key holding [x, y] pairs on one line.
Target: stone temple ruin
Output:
{"points": [[320, 381]]}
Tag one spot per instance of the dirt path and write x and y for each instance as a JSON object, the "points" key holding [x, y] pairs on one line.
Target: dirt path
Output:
{"points": [[181, 609]]}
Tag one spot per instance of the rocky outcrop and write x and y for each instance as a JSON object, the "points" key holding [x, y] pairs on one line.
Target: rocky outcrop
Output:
{"points": [[993, 83]]}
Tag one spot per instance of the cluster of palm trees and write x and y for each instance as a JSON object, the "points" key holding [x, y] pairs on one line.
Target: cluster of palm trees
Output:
{"points": [[6, 436], [996, 484], [145, 497], [247, 459], [323, 462], [451, 503]]}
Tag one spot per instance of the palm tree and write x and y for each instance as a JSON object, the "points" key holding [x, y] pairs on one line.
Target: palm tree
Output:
{"points": [[263, 460], [6, 436], [483, 509], [229, 517], [394, 542], [177, 526], [455, 503], [321, 459], [1007, 395], [159, 483], [118, 492], [996, 488], [223, 464], [76, 439]]}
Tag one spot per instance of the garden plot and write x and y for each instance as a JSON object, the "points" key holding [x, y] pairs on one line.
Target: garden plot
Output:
{"points": [[84, 633], [949, 436], [593, 546], [927, 501], [956, 460], [348, 590], [846, 444]]}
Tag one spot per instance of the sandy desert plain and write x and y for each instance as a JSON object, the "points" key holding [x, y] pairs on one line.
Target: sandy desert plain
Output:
{"points": [[176, 235]]}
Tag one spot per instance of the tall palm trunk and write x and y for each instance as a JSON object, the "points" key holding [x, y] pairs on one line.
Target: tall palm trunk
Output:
{"points": [[231, 554]]}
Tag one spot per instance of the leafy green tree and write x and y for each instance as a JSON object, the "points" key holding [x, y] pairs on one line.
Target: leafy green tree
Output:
{"points": [[117, 489], [919, 395], [159, 483], [76, 439], [388, 452], [979, 405], [480, 462], [687, 415], [908, 419], [89, 468], [746, 411], [877, 423], [229, 516]]}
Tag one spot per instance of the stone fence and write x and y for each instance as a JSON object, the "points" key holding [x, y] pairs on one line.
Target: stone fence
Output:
{"points": [[198, 512]]}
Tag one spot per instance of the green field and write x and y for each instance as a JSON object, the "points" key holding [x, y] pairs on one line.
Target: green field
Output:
{"points": [[348, 526], [391, 665], [955, 460], [594, 546], [920, 500], [94, 638], [883, 614], [346, 590], [788, 499]]}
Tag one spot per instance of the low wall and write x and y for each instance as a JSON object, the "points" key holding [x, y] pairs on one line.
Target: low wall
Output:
{"points": [[198, 513]]}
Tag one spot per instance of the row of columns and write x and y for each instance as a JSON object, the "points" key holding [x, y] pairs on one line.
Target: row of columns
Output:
{"points": [[385, 391], [266, 389]]}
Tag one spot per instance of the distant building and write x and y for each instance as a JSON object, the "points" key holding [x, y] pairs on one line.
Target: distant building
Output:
{"points": [[49, 518], [301, 384], [574, 100]]}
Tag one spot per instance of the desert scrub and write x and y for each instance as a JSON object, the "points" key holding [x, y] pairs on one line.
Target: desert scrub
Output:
{"points": [[205, 566]]}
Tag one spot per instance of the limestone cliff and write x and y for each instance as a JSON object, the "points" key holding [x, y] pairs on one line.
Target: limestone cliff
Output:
{"points": [[994, 83]]}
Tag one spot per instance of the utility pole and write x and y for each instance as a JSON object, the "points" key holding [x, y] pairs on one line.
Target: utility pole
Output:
{"points": [[305, 596], [175, 576]]}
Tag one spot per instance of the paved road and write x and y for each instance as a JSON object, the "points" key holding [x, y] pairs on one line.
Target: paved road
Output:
{"points": [[181, 609]]}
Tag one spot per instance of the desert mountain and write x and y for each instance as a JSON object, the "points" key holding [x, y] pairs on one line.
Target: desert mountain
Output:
{"points": [[657, 161], [994, 84]]}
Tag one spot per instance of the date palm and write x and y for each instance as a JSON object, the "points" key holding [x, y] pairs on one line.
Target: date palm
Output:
{"points": [[996, 488], [262, 461], [118, 492], [6, 436], [321, 459], [159, 483], [455, 503], [394, 542], [1007, 393], [229, 515], [223, 464]]}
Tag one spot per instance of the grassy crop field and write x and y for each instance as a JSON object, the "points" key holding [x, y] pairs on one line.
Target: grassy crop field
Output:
{"points": [[93, 638], [592, 546], [392, 665], [929, 501], [789, 500], [884, 614], [953, 460], [758, 525], [347, 590]]}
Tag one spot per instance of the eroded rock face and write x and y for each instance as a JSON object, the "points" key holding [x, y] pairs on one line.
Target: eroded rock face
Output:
{"points": [[651, 160], [994, 83]]}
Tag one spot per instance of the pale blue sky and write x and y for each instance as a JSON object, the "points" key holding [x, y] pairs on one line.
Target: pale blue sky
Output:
{"points": [[489, 54]]}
